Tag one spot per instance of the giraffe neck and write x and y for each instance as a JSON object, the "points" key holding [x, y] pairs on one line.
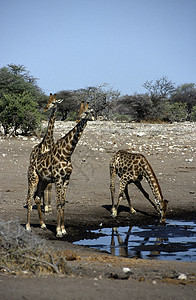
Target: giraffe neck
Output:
{"points": [[48, 140], [154, 184], [66, 145]]}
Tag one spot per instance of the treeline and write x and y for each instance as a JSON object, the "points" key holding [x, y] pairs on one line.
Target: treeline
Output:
{"points": [[22, 102]]}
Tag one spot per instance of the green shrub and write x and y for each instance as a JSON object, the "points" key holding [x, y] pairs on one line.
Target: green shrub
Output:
{"points": [[19, 112], [193, 114]]}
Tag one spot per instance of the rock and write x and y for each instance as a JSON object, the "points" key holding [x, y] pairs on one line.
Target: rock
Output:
{"points": [[126, 270], [182, 277]]}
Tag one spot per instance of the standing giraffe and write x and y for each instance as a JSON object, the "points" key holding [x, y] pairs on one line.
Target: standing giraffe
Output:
{"points": [[131, 168], [55, 166], [45, 145]]}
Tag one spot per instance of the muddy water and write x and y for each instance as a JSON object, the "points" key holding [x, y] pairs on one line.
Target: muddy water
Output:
{"points": [[174, 241]]}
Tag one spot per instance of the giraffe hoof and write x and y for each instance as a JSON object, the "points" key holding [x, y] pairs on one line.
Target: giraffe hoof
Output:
{"points": [[59, 234], [114, 214], [46, 210], [132, 211], [28, 228], [64, 232], [43, 226]]}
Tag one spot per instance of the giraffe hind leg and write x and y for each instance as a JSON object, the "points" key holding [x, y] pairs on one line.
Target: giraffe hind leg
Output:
{"points": [[47, 199], [112, 188], [132, 210], [40, 190]]}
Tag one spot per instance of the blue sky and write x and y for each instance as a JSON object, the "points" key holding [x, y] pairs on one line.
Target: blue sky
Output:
{"points": [[72, 44]]}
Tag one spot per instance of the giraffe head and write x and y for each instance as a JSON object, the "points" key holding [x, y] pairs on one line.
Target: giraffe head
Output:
{"points": [[52, 102], [85, 112], [163, 210]]}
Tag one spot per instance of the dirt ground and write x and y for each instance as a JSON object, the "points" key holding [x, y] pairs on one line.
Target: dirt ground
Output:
{"points": [[170, 149]]}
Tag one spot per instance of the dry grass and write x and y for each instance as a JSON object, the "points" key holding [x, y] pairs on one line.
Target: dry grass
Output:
{"points": [[23, 253]]}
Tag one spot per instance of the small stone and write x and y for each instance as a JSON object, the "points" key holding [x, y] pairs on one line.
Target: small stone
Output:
{"points": [[126, 270], [182, 277]]}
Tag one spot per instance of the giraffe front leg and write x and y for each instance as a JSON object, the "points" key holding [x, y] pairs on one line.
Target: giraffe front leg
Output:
{"points": [[61, 194], [63, 197], [60, 229], [115, 209], [58, 206], [120, 197], [32, 185], [163, 211], [29, 208]]}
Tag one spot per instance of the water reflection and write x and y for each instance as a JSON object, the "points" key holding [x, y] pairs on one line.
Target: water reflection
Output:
{"points": [[174, 241], [122, 247]]}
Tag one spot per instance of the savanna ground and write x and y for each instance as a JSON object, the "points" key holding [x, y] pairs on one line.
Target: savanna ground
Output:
{"points": [[83, 273]]}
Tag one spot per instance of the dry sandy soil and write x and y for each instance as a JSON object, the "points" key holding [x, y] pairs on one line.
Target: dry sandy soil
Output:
{"points": [[170, 148]]}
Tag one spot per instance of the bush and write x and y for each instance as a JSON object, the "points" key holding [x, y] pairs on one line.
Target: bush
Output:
{"points": [[193, 114], [178, 112], [19, 112], [121, 118]]}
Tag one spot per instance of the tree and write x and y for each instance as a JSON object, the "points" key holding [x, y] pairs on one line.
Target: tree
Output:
{"points": [[15, 79], [178, 112], [19, 112], [159, 90], [100, 98], [193, 114], [138, 107], [20, 97], [185, 93], [69, 107]]}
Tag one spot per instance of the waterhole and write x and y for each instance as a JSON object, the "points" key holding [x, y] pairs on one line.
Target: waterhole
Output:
{"points": [[176, 240]]}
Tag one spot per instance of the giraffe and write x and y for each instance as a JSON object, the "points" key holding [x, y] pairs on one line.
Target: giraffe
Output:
{"points": [[55, 166], [45, 145], [131, 168]]}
